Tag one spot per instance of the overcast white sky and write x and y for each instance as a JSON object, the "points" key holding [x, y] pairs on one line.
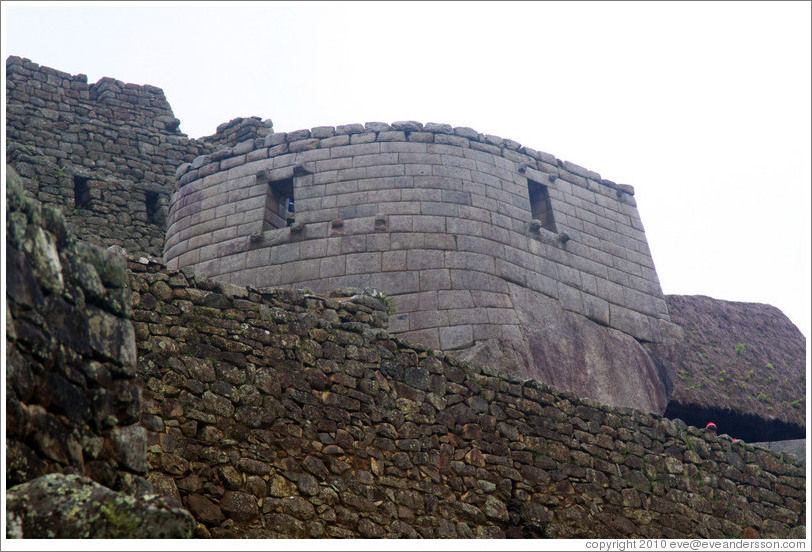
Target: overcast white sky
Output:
{"points": [[703, 107]]}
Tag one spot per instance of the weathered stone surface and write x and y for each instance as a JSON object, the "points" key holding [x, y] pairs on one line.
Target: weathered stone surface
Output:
{"points": [[567, 351], [71, 507]]}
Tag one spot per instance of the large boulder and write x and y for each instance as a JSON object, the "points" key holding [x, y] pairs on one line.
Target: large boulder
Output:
{"points": [[74, 507], [572, 353]]}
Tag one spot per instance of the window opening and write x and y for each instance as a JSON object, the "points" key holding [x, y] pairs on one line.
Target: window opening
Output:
{"points": [[81, 192], [153, 205], [279, 207], [540, 207]]}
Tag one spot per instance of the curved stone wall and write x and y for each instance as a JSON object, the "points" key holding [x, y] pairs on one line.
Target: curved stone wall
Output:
{"points": [[452, 224]]}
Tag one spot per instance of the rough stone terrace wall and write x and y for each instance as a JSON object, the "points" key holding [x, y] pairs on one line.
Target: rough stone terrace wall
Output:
{"points": [[273, 413], [104, 153], [73, 405]]}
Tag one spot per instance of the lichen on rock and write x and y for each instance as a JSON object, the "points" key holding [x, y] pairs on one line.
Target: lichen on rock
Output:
{"points": [[71, 506]]}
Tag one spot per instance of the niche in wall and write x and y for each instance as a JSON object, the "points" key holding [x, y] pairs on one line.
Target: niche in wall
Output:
{"points": [[279, 206], [81, 192], [540, 208], [152, 202]]}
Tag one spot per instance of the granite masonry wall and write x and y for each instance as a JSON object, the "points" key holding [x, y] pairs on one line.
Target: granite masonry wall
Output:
{"points": [[104, 153], [276, 413], [439, 218]]}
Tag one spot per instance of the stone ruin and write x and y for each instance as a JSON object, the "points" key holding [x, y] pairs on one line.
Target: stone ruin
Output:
{"points": [[503, 254], [496, 253]]}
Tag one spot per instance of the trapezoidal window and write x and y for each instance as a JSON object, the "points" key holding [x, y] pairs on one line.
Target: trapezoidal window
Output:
{"points": [[540, 207], [81, 192], [279, 206]]}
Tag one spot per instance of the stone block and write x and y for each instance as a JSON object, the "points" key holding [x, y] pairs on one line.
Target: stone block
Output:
{"points": [[299, 271], [440, 208], [393, 283], [484, 332], [570, 298], [363, 263], [311, 249], [378, 242], [364, 138], [436, 279], [422, 137], [391, 136], [452, 140], [427, 319], [501, 316], [424, 259], [463, 279], [596, 309], [454, 299], [633, 323], [421, 158], [464, 316], [375, 159], [445, 242], [393, 260], [428, 337], [407, 240], [386, 171], [334, 164], [400, 208], [640, 302], [284, 253], [456, 337], [451, 172], [399, 322], [418, 170], [257, 258], [332, 267], [333, 141], [349, 129], [354, 150], [511, 272]]}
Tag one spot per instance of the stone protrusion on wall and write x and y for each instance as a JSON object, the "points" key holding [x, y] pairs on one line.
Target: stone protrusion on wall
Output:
{"points": [[73, 405], [276, 413], [104, 153]]}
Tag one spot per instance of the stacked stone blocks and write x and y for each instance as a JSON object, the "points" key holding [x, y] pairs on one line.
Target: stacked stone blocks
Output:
{"points": [[275, 413], [437, 217], [122, 140]]}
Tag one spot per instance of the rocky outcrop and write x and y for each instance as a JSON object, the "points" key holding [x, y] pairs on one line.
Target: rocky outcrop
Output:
{"points": [[58, 506], [568, 351], [744, 369], [73, 406]]}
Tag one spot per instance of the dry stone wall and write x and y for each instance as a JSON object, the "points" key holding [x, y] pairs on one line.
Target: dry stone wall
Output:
{"points": [[275, 413], [104, 153]]}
